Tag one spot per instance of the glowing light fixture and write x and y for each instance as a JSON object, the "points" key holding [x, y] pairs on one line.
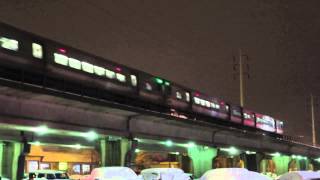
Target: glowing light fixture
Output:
{"points": [[167, 83], [169, 143], [231, 150], [37, 143], [137, 150], [91, 135], [77, 146], [41, 130], [191, 145], [250, 152], [277, 154]]}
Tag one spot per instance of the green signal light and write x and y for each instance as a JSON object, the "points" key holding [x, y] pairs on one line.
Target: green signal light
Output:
{"points": [[158, 80]]}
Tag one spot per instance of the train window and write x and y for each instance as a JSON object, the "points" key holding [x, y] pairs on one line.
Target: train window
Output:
{"points": [[207, 103], [110, 74], [61, 59], [74, 63], [134, 80], [215, 106], [202, 102], [87, 67], [187, 97], [121, 77], [178, 95], [37, 51], [10, 44], [148, 86], [100, 71], [196, 100]]}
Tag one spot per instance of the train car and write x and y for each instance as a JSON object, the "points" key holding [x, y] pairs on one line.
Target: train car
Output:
{"points": [[152, 88], [236, 114], [249, 118], [71, 70], [74, 66], [279, 127], [178, 97], [20, 52], [265, 123], [209, 106]]}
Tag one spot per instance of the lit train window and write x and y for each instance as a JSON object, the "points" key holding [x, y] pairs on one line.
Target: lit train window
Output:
{"points": [[100, 71], [87, 67], [148, 86], [215, 106], [121, 77], [10, 44], [178, 95], [134, 80], [74, 63], [187, 96], [110, 74], [202, 102], [246, 116], [196, 100], [37, 51], [61, 59], [207, 103]]}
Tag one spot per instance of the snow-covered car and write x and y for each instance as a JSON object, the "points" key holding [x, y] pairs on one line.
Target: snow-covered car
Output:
{"points": [[112, 173], [300, 175], [232, 174], [164, 174], [47, 174]]}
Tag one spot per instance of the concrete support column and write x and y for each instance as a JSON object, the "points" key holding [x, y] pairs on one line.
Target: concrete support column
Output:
{"points": [[103, 152], [113, 152], [10, 159], [282, 164], [1, 157], [125, 148], [201, 159]]}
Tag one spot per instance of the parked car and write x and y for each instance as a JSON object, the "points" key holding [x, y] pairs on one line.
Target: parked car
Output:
{"points": [[300, 175], [164, 174], [111, 173], [233, 174], [47, 174]]}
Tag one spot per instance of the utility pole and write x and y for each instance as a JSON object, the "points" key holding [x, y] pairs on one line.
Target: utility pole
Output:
{"points": [[241, 78], [243, 71], [314, 139]]}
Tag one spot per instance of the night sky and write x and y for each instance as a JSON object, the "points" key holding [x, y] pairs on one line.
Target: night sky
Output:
{"points": [[193, 43]]}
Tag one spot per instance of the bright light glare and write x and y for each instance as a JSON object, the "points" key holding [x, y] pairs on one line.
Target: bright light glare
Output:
{"points": [[77, 146], [41, 130], [191, 144], [37, 143], [169, 143], [91, 135]]}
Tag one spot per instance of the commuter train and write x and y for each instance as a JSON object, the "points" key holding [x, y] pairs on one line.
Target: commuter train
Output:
{"points": [[39, 61]]}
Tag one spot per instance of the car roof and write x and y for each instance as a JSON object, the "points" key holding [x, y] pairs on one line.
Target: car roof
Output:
{"points": [[162, 170], [46, 171], [231, 174], [124, 172], [300, 175]]}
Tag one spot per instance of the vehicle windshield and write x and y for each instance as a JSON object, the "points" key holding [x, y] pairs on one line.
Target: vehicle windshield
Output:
{"points": [[61, 176]]}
